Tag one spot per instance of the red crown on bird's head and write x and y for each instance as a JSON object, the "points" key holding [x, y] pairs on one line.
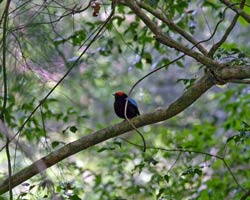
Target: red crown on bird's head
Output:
{"points": [[120, 93]]}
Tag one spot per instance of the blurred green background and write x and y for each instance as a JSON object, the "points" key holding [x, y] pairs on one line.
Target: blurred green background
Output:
{"points": [[46, 37]]}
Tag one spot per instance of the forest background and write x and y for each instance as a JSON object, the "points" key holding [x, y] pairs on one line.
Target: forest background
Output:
{"points": [[185, 62]]}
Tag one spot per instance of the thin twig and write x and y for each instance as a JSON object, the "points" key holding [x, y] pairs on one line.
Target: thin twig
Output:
{"points": [[237, 10], [161, 16], [142, 78], [9, 168], [174, 163], [216, 26], [130, 92], [5, 87], [134, 127], [173, 61], [247, 194], [194, 151], [46, 145], [6, 12], [66, 74], [207, 23], [4, 50], [227, 32], [185, 100], [167, 40], [65, 14], [232, 174]]}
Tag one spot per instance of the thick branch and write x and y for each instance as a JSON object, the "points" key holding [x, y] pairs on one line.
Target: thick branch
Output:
{"points": [[188, 97], [173, 26], [227, 32], [237, 10], [212, 64], [224, 37], [235, 72], [164, 39]]}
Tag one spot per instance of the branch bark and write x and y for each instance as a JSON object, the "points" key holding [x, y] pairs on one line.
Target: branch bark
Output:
{"points": [[161, 16], [188, 97], [223, 71], [239, 11], [227, 32], [235, 72], [168, 41]]}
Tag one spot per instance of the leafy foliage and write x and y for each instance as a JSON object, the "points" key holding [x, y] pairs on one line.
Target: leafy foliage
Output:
{"points": [[203, 153]]}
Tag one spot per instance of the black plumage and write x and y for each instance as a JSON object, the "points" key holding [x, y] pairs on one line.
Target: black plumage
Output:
{"points": [[119, 105]]}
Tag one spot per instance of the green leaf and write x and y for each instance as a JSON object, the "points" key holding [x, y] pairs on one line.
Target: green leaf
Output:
{"points": [[22, 194], [54, 144], [118, 143], [166, 178], [198, 171], [119, 20], [152, 161], [161, 191], [105, 149], [148, 57], [139, 64], [187, 82], [245, 125], [78, 37], [73, 129], [242, 21], [181, 6], [210, 3], [139, 167], [74, 197], [192, 171], [180, 64]]}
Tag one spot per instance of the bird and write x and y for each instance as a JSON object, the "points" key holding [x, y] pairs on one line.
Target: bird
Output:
{"points": [[132, 110], [119, 105]]}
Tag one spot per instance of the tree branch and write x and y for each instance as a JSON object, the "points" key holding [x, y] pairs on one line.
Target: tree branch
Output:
{"points": [[164, 39], [222, 158], [65, 75], [246, 195], [224, 37], [244, 81], [235, 72], [239, 11], [172, 25], [188, 97], [183, 102], [5, 88], [227, 32]]}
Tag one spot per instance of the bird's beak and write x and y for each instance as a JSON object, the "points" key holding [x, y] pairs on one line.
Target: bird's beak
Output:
{"points": [[113, 94]]}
